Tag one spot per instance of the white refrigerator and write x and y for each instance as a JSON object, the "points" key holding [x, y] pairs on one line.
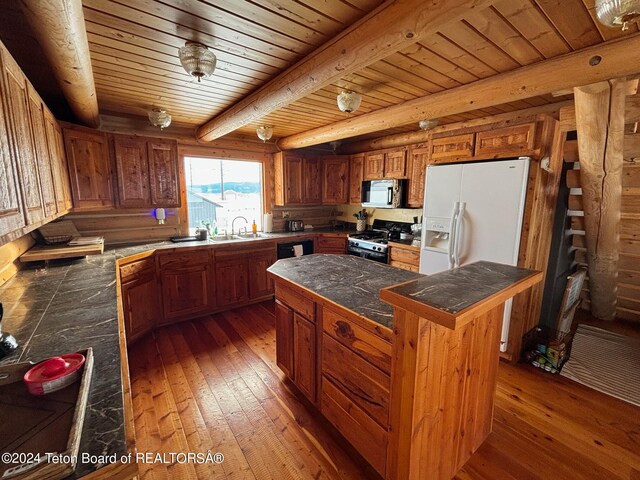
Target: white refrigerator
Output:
{"points": [[472, 212]]}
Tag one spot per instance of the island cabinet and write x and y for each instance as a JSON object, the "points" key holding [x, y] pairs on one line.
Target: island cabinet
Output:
{"points": [[355, 383], [187, 282], [296, 338], [139, 290], [335, 179], [241, 276]]}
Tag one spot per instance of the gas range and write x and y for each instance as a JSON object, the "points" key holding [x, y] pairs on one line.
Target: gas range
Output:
{"points": [[372, 241]]}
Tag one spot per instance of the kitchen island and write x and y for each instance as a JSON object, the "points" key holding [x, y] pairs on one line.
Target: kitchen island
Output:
{"points": [[402, 364]]}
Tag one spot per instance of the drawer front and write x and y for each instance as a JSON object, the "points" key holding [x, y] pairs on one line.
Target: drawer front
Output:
{"points": [[369, 438], [178, 260], [405, 266], [404, 256], [136, 269], [240, 252], [335, 243], [363, 383], [364, 343], [297, 302]]}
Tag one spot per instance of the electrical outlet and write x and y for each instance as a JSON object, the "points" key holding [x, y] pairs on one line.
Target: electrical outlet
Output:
{"points": [[285, 214]]}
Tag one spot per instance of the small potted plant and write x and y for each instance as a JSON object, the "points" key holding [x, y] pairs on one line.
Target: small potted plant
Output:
{"points": [[361, 220]]}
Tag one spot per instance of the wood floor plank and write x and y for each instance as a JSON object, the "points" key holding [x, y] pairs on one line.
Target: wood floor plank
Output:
{"points": [[213, 384]]}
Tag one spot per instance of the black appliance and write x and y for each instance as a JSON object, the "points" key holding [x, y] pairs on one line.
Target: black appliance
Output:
{"points": [[383, 193], [285, 250], [372, 244], [294, 225]]}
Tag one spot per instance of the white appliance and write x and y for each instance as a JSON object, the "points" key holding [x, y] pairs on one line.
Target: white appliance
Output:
{"points": [[472, 212]]}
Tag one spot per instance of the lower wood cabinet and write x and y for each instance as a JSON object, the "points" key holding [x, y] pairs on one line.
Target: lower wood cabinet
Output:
{"points": [[140, 306], [336, 244], [260, 284], [284, 338], [232, 281], [405, 258], [304, 354], [242, 276], [187, 284]]}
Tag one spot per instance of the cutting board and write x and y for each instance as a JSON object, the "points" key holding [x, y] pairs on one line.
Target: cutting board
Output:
{"points": [[34, 425]]}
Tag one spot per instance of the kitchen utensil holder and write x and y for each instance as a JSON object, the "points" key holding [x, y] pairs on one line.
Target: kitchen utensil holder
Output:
{"points": [[361, 225]]}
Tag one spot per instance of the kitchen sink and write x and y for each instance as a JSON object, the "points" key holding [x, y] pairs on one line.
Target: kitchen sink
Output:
{"points": [[224, 238], [251, 235]]}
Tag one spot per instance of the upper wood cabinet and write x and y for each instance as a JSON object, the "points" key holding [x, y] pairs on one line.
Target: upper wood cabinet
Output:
{"points": [[163, 172], [418, 157], [385, 164], [146, 171], [335, 179], [373, 166], [89, 168], [132, 171], [447, 148], [19, 127], [59, 171], [312, 184], [356, 175], [395, 164], [41, 149], [505, 142], [11, 215], [297, 179]]}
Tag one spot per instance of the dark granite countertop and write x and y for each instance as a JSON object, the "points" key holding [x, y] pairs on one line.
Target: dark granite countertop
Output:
{"points": [[454, 290], [351, 282]]}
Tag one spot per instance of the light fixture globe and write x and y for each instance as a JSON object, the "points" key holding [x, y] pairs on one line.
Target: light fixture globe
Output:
{"points": [[159, 118], [349, 101], [264, 132], [617, 13], [428, 123], [197, 60]]}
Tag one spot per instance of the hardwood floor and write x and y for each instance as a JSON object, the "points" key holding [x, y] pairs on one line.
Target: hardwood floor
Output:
{"points": [[213, 384]]}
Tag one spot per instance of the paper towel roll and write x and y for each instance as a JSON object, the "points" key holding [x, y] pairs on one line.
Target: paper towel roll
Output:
{"points": [[267, 223], [298, 251]]}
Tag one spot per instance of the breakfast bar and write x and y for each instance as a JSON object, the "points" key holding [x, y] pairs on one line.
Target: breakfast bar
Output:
{"points": [[407, 375]]}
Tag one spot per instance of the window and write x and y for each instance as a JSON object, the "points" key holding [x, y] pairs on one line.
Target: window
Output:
{"points": [[220, 190]]}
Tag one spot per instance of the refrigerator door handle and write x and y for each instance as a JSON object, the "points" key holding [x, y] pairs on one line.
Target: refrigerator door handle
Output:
{"points": [[389, 196], [458, 229], [452, 235]]}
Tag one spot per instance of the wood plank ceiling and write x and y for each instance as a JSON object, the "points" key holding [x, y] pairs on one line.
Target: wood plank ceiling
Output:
{"points": [[133, 45]]}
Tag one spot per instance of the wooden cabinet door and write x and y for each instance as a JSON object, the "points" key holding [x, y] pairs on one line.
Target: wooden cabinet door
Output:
{"points": [[89, 168], [335, 180], [57, 160], [450, 148], [356, 175], [132, 171], [506, 142], [332, 244], [395, 164], [304, 356], [11, 214], [186, 292], [163, 173], [68, 200], [284, 339], [260, 284], [418, 158], [41, 149], [232, 283], [293, 179], [373, 166], [18, 125], [140, 306], [312, 180]]}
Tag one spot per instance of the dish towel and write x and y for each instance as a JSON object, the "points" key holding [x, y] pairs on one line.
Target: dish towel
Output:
{"points": [[297, 251]]}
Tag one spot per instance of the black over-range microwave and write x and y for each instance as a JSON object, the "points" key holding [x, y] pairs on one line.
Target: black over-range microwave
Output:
{"points": [[384, 193]]}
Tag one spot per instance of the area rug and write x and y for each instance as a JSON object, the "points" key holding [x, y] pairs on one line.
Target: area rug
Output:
{"points": [[605, 361]]}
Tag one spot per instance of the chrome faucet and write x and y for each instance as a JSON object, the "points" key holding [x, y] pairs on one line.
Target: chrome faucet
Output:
{"points": [[233, 222]]}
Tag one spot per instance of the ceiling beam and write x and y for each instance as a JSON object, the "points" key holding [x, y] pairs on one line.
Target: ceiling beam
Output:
{"points": [[60, 29], [600, 125], [392, 27], [616, 59], [407, 138]]}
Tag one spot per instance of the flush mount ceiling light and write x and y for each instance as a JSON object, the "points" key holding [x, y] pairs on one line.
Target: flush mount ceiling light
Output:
{"points": [[349, 101], [617, 13], [428, 124], [264, 132], [197, 60], [159, 118]]}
